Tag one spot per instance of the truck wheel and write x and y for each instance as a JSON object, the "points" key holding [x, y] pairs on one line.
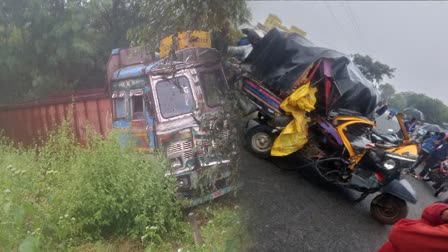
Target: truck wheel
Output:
{"points": [[259, 140], [388, 209]]}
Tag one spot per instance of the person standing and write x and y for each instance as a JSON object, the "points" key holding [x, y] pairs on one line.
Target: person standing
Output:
{"points": [[438, 155], [382, 108], [410, 125], [428, 147], [427, 234], [392, 113]]}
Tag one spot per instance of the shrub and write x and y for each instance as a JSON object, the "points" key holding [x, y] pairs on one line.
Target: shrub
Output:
{"points": [[62, 194]]}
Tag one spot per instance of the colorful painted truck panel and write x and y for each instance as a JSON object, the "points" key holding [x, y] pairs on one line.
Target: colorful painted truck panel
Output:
{"points": [[130, 111]]}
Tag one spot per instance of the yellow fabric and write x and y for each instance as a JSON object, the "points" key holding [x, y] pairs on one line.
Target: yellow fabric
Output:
{"points": [[294, 136]]}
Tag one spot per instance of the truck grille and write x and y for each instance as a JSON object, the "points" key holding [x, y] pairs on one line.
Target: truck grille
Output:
{"points": [[224, 135], [212, 143], [188, 154], [188, 145], [173, 148], [181, 146]]}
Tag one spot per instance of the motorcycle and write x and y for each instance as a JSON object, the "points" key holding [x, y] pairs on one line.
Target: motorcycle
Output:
{"points": [[439, 175], [342, 153]]}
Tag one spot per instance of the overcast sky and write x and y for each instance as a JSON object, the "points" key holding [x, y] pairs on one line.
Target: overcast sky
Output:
{"points": [[410, 36]]}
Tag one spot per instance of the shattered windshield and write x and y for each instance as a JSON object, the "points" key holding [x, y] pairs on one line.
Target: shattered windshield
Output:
{"points": [[357, 134], [213, 86], [175, 97]]}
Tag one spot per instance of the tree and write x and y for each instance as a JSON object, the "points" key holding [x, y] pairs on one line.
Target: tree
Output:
{"points": [[435, 111], [387, 90], [53, 46], [161, 18], [374, 71], [398, 101], [49, 46]]}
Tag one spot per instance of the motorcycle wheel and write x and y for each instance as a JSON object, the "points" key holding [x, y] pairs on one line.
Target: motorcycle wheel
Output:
{"points": [[436, 194], [259, 140], [388, 209], [440, 189], [426, 179]]}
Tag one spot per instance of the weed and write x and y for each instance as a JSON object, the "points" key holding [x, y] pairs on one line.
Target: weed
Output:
{"points": [[59, 194]]}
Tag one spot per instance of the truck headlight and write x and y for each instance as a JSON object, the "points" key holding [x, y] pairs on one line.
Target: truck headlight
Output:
{"points": [[389, 164], [183, 182], [175, 163]]}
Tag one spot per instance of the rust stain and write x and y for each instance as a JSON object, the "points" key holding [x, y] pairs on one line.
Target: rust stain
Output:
{"points": [[28, 121]]}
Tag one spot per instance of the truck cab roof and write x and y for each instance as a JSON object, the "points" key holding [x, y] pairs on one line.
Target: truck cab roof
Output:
{"points": [[128, 72]]}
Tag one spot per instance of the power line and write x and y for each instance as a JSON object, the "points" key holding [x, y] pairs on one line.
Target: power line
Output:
{"points": [[355, 19], [338, 24], [353, 23]]}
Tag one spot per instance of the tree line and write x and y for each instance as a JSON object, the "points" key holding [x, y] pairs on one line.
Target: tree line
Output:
{"points": [[435, 110], [54, 46]]}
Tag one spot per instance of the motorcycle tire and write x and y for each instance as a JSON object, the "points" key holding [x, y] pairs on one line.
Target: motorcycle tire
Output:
{"points": [[388, 209], [259, 141], [440, 190]]}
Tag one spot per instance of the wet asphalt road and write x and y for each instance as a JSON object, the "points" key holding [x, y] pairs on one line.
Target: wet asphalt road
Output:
{"points": [[286, 212]]}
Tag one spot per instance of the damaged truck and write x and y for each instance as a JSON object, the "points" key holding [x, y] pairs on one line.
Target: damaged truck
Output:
{"points": [[176, 105]]}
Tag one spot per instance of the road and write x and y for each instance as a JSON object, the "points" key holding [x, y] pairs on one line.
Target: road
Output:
{"points": [[286, 212]]}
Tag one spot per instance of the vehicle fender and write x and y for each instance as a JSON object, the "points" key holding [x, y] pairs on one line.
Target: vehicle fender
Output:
{"points": [[401, 189], [252, 123]]}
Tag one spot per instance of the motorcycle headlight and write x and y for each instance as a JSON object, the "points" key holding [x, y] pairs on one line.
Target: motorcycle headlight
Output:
{"points": [[175, 163], [389, 164]]}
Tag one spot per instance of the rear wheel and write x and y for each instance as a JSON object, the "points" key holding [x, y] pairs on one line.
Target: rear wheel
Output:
{"points": [[388, 209], [436, 194], [439, 187], [259, 140]]}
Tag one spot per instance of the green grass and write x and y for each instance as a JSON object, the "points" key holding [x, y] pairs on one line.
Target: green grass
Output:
{"points": [[221, 230], [62, 196]]}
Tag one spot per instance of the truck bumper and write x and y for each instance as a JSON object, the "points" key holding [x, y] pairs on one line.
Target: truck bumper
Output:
{"points": [[206, 183]]}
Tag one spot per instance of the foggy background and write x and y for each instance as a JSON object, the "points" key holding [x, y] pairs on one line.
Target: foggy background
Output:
{"points": [[409, 36]]}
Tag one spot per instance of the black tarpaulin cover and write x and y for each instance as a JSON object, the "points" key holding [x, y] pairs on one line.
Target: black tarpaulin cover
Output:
{"points": [[280, 58]]}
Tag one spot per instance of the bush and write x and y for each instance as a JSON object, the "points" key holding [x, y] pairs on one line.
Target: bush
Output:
{"points": [[61, 194]]}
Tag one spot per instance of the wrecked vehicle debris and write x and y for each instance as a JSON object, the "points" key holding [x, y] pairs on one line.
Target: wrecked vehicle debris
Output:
{"points": [[314, 103]]}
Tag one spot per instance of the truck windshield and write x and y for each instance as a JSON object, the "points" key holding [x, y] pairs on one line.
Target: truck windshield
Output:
{"points": [[213, 86], [175, 97]]}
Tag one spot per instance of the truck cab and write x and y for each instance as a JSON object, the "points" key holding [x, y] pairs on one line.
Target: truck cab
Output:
{"points": [[175, 106], [186, 97]]}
